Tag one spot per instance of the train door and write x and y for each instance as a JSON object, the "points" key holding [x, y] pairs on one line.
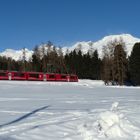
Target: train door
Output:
{"points": [[44, 77], [10, 76], [68, 78]]}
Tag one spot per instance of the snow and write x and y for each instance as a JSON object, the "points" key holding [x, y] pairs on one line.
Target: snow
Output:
{"points": [[98, 45], [16, 54], [83, 45], [84, 110], [114, 124]]}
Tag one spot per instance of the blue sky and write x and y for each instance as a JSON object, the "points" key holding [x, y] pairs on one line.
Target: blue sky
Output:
{"points": [[25, 23]]}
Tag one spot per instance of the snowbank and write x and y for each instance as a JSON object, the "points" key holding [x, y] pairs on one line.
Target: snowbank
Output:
{"points": [[91, 83], [110, 124]]}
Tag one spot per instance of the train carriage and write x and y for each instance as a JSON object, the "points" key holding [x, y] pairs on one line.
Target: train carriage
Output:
{"points": [[73, 78], [50, 77], [18, 75], [35, 76], [4, 75], [62, 77]]}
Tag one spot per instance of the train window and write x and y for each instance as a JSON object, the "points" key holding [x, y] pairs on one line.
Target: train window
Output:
{"points": [[72, 77], [63, 76], [52, 76], [3, 74], [19, 74], [34, 75]]}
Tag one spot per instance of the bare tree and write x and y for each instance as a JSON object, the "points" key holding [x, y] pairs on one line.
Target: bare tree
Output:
{"points": [[24, 58], [108, 59]]}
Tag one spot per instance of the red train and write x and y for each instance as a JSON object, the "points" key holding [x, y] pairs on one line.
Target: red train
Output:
{"points": [[37, 76]]}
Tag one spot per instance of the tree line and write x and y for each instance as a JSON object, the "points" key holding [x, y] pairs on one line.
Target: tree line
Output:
{"points": [[115, 67]]}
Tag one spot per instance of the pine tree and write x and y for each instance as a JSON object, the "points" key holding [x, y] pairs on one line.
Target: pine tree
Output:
{"points": [[23, 59], [95, 66], [120, 64], [36, 59], [61, 61], [43, 53], [134, 64], [106, 70], [9, 63]]}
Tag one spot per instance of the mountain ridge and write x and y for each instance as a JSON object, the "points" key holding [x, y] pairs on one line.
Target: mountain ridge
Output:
{"points": [[83, 45]]}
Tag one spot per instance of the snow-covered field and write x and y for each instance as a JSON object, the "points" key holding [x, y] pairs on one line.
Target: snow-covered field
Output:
{"points": [[86, 110]]}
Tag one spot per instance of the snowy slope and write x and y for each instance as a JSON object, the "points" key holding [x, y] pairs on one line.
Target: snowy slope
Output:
{"points": [[84, 46], [86, 110]]}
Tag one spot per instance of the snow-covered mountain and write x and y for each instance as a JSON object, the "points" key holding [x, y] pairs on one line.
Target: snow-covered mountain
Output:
{"points": [[84, 46], [128, 39], [16, 54]]}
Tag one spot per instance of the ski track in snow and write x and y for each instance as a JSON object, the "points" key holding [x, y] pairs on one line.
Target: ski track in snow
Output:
{"points": [[86, 110]]}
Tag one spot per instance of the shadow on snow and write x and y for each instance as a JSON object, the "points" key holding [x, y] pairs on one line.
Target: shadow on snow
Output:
{"points": [[24, 116]]}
